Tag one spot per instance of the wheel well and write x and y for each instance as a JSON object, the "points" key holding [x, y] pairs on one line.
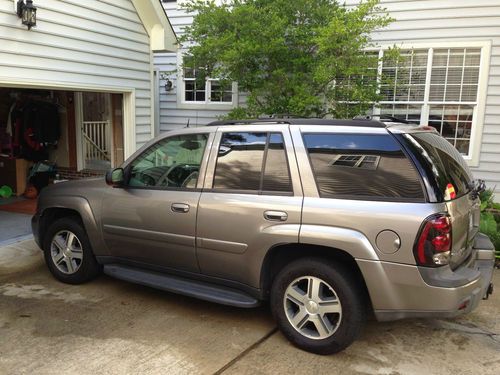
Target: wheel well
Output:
{"points": [[281, 255], [52, 214]]}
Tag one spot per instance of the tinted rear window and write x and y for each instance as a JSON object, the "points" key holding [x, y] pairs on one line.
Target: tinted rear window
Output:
{"points": [[362, 166], [443, 162]]}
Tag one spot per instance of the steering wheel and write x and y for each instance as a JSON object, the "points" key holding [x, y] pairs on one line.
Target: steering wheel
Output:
{"points": [[145, 179], [166, 179]]}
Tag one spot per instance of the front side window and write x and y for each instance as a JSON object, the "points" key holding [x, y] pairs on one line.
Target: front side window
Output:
{"points": [[253, 162], [173, 162], [362, 166]]}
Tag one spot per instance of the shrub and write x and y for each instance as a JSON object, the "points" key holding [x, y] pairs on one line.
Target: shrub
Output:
{"points": [[490, 219]]}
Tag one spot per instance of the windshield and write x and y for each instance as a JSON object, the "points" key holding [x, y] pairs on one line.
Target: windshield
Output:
{"points": [[449, 169]]}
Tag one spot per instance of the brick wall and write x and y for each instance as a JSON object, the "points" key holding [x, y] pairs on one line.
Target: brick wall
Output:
{"points": [[71, 174]]}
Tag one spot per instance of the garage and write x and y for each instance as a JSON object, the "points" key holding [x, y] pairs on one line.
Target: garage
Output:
{"points": [[77, 90]]}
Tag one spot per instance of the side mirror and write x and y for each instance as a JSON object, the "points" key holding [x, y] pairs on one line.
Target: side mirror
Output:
{"points": [[115, 177]]}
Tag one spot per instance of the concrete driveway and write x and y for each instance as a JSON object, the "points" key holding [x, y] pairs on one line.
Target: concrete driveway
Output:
{"points": [[112, 327]]}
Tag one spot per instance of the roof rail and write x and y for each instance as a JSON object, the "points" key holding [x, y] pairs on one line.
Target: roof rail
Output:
{"points": [[385, 118], [302, 121]]}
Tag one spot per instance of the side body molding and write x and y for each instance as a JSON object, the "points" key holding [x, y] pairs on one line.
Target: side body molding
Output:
{"points": [[82, 206], [351, 241]]}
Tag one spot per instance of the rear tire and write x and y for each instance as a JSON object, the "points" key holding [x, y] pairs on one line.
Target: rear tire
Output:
{"points": [[68, 253], [318, 305]]}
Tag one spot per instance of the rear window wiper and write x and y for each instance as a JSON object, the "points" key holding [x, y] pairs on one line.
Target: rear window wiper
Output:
{"points": [[476, 187]]}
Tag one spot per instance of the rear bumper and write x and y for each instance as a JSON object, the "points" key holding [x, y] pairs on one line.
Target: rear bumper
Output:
{"points": [[402, 291]]}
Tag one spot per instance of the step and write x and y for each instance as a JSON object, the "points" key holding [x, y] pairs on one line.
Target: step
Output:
{"points": [[175, 284]]}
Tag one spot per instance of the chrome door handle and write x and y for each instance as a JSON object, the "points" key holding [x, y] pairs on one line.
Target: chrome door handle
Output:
{"points": [[275, 215], [180, 207]]}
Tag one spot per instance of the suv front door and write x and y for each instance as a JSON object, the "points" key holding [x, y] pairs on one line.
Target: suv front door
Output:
{"points": [[251, 201], [152, 218]]}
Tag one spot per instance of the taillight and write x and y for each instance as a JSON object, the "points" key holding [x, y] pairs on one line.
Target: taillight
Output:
{"points": [[433, 245]]}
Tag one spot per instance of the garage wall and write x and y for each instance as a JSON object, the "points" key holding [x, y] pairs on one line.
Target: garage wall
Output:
{"points": [[91, 43]]}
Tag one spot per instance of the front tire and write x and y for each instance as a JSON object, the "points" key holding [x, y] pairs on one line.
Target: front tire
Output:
{"points": [[68, 253], [318, 305]]}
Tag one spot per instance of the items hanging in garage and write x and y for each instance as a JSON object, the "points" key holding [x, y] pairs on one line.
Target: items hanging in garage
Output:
{"points": [[33, 126]]}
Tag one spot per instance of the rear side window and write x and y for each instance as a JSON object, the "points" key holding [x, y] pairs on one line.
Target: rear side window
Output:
{"points": [[254, 162], [362, 166], [444, 163]]}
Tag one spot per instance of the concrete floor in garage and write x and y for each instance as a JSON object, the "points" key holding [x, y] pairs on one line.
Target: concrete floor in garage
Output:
{"points": [[113, 327]]}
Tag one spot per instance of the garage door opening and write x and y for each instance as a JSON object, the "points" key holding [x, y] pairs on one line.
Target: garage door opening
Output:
{"points": [[48, 136], [73, 134]]}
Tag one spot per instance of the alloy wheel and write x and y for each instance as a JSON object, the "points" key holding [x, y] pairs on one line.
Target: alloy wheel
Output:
{"points": [[66, 252], [312, 307]]}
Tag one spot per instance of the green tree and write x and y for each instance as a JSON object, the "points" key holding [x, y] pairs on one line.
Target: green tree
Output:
{"points": [[296, 57]]}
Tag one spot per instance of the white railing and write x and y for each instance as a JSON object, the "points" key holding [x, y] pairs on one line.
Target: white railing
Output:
{"points": [[96, 140]]}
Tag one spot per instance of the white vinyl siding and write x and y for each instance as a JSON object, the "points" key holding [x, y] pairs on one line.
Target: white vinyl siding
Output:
{"points": [[175, 111], [87, 43]]}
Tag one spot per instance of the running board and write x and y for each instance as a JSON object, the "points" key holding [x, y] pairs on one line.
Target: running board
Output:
{"points": [[179, 285]]}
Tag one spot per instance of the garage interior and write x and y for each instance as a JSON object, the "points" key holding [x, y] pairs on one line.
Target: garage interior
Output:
{"points": [[49, 136]]}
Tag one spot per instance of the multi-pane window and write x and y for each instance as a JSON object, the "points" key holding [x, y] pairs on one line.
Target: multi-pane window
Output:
{"points": [[434, 86], [199, 88], [194, 85], [220, 92], [356, 161]]}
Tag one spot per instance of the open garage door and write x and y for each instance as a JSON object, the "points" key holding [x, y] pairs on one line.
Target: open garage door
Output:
{"points": [[41, 133]]}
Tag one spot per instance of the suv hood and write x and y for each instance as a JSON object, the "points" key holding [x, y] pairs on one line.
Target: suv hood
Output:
{"points": [[84, 188]]}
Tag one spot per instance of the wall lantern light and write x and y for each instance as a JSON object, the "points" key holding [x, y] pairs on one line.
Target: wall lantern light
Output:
{"points": [[27, 12], [168, 85]]}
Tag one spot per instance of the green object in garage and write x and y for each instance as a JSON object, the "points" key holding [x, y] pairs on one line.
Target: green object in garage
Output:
{"points": [[5, 191]]}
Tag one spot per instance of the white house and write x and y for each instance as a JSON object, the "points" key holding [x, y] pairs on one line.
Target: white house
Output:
{"points": [[92, 61], [454, 85]]}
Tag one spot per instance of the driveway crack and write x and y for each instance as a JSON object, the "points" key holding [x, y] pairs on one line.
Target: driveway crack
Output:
{"points": [[246, 351], [470, 329]]}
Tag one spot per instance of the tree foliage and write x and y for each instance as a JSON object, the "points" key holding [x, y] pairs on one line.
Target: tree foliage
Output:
{"points": [[296, 57]]}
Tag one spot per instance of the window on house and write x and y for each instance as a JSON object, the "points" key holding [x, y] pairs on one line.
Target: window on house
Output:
{"points": [[356, 161], [199, 88], [441, 92]]}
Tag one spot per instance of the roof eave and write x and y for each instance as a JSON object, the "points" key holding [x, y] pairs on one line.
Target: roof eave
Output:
{"points": [[157, 25]]}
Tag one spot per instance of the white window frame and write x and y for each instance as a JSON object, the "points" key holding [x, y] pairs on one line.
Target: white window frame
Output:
{"points": [[207, 103], [479, 106]]}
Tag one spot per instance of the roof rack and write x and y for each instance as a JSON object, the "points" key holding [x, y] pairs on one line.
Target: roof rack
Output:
{"points": [[303, 121]]}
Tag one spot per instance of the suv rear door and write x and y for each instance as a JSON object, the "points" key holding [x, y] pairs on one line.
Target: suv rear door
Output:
{"points": [[451, 182], [251, 201]]}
